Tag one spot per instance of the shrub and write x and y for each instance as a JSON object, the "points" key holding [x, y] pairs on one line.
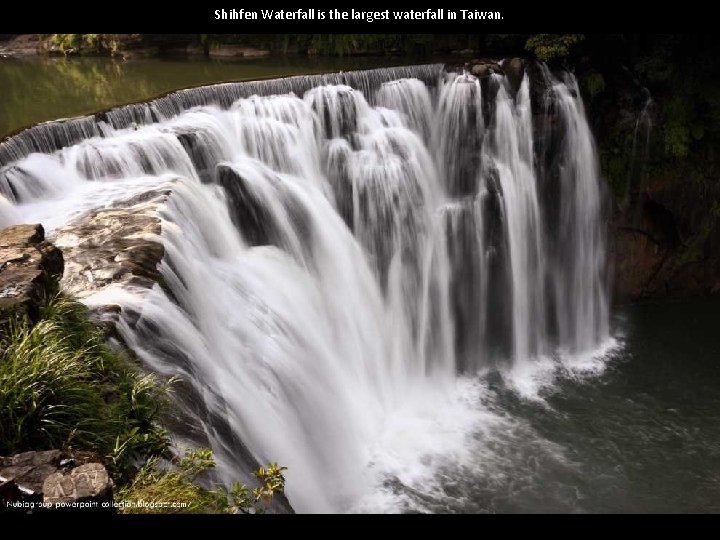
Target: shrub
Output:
{"points": [[62, 387], [158, 490], [549, 46]]}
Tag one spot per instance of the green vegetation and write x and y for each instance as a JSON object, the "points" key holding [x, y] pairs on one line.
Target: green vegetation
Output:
{"points": [[61, 386], [550, 46], [593, 83], [617, 72], [156, 485], [677, 127], [91, 44], [344, 44], [544, 46]]}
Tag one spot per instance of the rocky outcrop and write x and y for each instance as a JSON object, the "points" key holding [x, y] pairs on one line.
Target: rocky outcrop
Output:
{"points": [[514, 70], [666, 245], [116, 247], [22, 45], [484, 68], [30, 469], [53, 479], [89, 484], [29, 269], [236, 51]]}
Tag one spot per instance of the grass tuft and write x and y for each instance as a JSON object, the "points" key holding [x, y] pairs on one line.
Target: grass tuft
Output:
{"points": [[61, 386]]}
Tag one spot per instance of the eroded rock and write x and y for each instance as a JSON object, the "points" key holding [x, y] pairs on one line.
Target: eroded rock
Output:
{"points": [[118, 246], [480, 68], [514, 69], [30, 469], [29, 270], [87, 483]]}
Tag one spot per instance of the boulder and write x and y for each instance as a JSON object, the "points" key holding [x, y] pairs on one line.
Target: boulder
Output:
{"points": [[514, 69], [30, 469], [29, 270], [481, 69], [84, 487], [52, 477], [117, 246]]}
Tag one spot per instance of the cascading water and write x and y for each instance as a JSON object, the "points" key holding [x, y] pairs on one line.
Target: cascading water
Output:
{"points": [[342, 253]]}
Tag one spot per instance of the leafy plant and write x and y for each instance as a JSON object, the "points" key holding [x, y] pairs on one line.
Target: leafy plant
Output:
{"points": [[549, 46], [158, 489], [676, 127], [62, 386]]}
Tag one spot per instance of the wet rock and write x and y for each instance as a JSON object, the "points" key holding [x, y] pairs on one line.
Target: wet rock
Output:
{"points": [[666, 244], [514, 69], [30, 469], [112, 247], [29, 270], [89, 484], [481, 69], [10, 492]]}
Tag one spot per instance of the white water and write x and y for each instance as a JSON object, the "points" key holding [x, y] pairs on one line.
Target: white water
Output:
{"points": [[333, 266]]}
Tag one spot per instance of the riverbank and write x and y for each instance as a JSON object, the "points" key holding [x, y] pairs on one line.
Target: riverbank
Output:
{"points": [[238, 46]]}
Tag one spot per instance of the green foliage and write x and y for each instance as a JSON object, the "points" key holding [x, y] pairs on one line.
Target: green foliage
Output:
{"points": [[61, 386], [676, 127], [550, 46], [92, 44], [348, 44], [658, 64], [154, 487], [593, 83]]}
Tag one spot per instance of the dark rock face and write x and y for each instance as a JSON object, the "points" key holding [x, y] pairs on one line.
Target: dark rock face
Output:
{"points": [[29, 268], [666, 245], [514, 69]]}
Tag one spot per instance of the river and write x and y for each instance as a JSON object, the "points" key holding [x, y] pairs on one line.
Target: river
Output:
{"points": [[41, 89]]}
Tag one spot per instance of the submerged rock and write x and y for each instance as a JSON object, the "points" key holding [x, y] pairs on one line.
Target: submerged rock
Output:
{"points": [[29, 269]]}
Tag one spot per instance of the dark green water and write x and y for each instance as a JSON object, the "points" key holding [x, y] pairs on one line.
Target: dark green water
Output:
{"points": [[40, 89], [642, 437]]}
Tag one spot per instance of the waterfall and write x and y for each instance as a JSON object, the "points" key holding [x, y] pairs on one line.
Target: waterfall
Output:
{"points": [[340, 251], [580, 266]]}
